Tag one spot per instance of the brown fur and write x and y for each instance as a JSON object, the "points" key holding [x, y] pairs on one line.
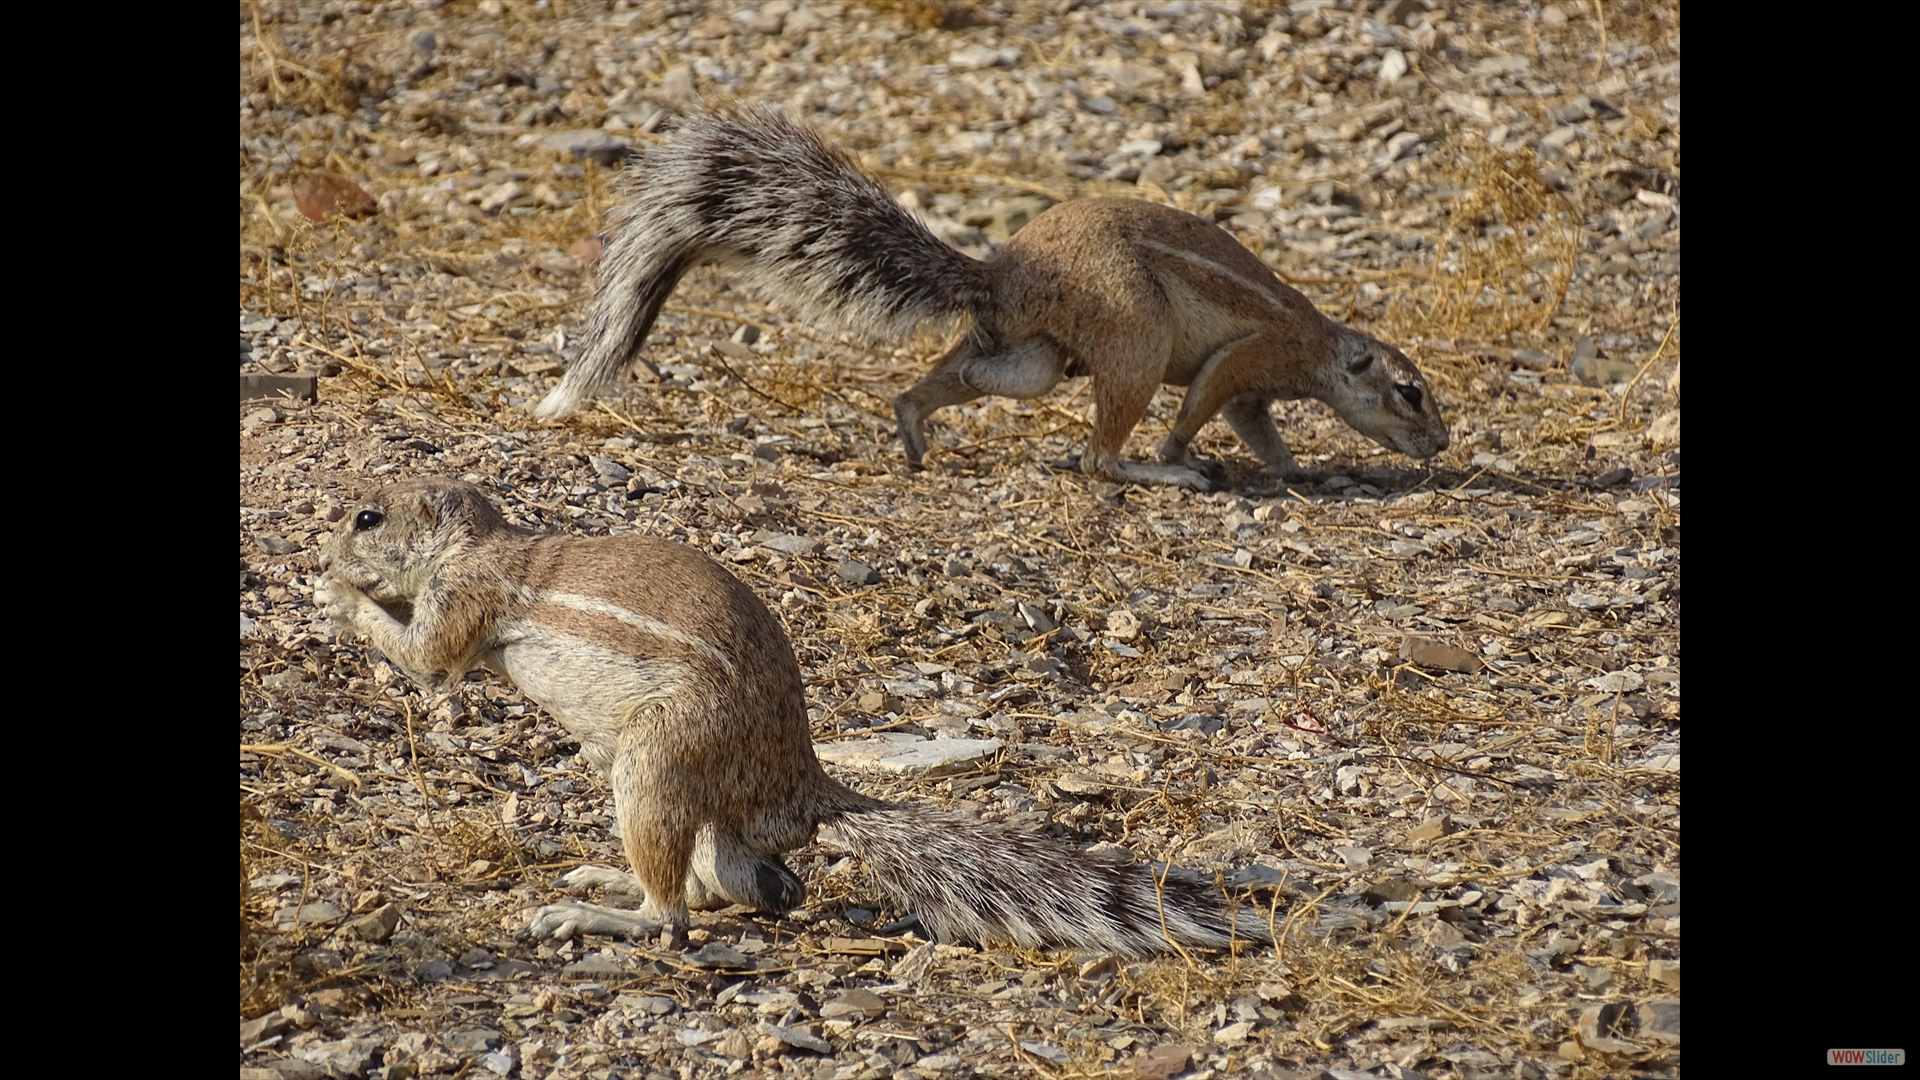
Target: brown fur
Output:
{"points": [[682, 687], [1131, 294], [1134, 294]]}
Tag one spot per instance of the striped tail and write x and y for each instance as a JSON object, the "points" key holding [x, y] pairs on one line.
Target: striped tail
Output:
{"points": [[748, 188], [970, 880]]}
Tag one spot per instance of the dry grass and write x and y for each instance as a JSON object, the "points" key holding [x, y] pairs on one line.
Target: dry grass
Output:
{"points": [[428, 318]]}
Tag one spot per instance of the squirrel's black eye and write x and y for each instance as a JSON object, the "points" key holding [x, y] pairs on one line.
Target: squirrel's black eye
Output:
{"points": [[367, 519], [1411, 393]]}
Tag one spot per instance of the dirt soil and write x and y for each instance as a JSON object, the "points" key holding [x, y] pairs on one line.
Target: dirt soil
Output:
{"points": [[1425, 715]]}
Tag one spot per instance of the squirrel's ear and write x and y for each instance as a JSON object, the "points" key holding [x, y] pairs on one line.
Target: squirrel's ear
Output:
{"points": [[429, 509]]}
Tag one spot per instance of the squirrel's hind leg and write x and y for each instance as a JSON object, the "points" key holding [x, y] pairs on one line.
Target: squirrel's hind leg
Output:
{"points": [[657, 823], [726, 871], [1025, 370]]}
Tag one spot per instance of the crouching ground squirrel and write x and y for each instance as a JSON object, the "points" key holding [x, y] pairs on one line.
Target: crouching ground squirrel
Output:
{"points": [[682, 687], [1131, 293]]}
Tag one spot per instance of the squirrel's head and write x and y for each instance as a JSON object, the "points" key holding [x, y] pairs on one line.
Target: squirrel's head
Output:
{"points": [[394, 542], [1378, 391]]}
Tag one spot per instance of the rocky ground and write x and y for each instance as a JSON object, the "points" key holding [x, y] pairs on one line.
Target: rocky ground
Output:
{"points": [[1426, 715]]}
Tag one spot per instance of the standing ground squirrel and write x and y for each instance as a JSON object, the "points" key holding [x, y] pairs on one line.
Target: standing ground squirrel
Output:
{"points": [[683, 689], [1131, 293]]}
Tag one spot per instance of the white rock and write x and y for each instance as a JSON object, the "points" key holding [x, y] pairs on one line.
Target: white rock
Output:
{"points": [[1234, 1034], [1665, 430], [1473, 105], [1393, 64], [789, 544], [908, 755]]}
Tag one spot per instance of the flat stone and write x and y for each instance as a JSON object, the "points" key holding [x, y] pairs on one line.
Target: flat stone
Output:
{"points": [[583, 145], [609, 470], [324, 194], [1430, 830], [596, 967], [789, 544], [1234, 1034], [975, 57], [855, 1002], [317, 912], [1394, 889], [858, 573], [908, 755], [1664, 887], [262, 1027], [1411, 1023], [1079, 784], [377, 925], [1203, 723], [735, 1044], [342, 1057], [797, 1037], [1163, 1062], [1036, 618], [1123, 625], [291, 1069], [1616, 682], [470, 1041], [651, 1004], [909, 688], [299, 386], [715, 955], [1356, 858], [1660, 1019], [1603, 1021], [1434, 654], [1044, 1050]]}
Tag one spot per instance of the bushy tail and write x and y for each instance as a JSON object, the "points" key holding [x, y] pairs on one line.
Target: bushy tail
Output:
{"points": [[971, 880], [749, 188]]}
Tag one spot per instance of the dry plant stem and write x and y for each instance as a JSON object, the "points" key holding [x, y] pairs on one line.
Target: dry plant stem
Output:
{"points": [[765, 328], [756, 391], [345, 778], [1628, 392], [1600, 20], [413, 759]]}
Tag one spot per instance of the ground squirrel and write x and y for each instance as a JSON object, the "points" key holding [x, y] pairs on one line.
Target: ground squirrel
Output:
{"points": [[1133, 294], [682, 687]]}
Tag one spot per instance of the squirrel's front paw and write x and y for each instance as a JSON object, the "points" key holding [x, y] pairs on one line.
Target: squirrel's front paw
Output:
{"points": [[337, 600]]}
